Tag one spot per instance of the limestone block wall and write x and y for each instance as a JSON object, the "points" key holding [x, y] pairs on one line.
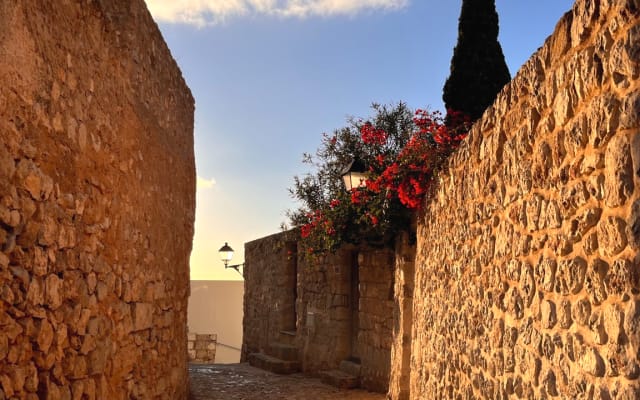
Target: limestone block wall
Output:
{"points": [[375, 316], [342, 305], [403, 281], [527, 268], [270, 291], [201, 347], [97, 186], [326, 333]]}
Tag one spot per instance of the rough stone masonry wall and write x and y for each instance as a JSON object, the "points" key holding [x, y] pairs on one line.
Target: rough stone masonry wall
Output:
{"points": [[335, 323], [278, 278], [403, 280], [202, 347], [376, 316], [324, 310], [527, 260], [269, 296], [97, 185]]}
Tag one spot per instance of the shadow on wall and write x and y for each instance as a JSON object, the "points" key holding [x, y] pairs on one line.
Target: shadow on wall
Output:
{"points": [[215, 307]]}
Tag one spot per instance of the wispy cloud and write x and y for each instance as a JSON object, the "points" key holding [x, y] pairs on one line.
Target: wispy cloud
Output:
{"points": [[203, 183], [209, 12]]}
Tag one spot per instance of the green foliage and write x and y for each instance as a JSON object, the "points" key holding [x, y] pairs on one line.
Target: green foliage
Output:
{"points": [[327, 206], [401, 151], [478, 69]]}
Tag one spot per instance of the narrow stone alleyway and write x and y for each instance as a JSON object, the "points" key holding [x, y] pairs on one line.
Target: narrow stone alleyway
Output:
{"points": [[244, 382]]}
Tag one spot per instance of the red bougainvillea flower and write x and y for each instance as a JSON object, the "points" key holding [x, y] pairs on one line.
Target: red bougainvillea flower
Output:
{"points": [[358, 196], [371, 135], [305, 231], [373, 185], [398, 177], [374, 219]]}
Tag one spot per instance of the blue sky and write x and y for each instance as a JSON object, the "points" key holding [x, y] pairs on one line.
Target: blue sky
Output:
{"points": [[270, 76]]}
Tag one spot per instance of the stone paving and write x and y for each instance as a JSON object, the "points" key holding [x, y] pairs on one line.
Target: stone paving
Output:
{"points": [[244, 382]]}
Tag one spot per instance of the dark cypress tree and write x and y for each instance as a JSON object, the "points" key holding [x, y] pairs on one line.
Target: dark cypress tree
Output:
{"points": [[478, 69]]}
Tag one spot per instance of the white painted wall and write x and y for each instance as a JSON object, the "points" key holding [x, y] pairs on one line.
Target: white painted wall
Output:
{"points": [[216, 307]]}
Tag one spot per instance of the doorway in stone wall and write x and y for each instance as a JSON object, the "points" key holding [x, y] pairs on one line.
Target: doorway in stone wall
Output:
{"points": [[354, 306], [289, 313]]}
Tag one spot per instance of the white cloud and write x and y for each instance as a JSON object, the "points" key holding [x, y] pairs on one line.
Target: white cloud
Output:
{"points": [[208, 12], [203, 183]]}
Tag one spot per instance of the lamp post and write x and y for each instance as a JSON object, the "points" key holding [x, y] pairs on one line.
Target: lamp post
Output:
{"points": [[354, 175], [226, 254]]}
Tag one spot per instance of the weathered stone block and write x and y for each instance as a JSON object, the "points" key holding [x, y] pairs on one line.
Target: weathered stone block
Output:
{"points": [[53, 291], [594, 281], [548, 313], [99, 357], [596, 324], [606, 122], [570, 275], [575, 135], [546, 273], [612, 235], [45, 336], [633, 228], [581, 311], [564, 314], [35, 294], [552, 218], [621, 277], [592, 363], [613, 319], [142, 316], [629, 116], [618, 172]]}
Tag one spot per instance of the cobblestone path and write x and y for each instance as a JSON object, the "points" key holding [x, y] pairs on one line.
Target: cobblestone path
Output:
{"points": [[244, 382]]}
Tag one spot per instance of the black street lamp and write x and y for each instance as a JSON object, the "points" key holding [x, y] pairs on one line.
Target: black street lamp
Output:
{"points": [[226, 254], [354, 175]]}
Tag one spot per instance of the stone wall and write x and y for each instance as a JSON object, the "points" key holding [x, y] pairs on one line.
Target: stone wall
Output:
{"points": [[270, 290], [325, 311], [527, 261], [343, 306], [202, 347], [404, 274], [345, 311], [97, 186], [375, 316]]}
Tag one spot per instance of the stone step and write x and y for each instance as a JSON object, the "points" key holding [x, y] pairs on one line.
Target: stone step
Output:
{"points": [[273, 364], [339, 379], [350, 367], [286, 352]]}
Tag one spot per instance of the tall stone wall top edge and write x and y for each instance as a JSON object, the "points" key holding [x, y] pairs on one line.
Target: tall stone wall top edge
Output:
{"points": [[117, 11], [137, 42], [284, 236], [534, 84]]}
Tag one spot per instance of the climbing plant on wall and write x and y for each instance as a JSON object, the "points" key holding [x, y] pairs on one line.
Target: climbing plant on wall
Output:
{"points": [[401, 151]]}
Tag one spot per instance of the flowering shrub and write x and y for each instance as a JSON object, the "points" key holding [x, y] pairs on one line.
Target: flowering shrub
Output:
{"points": [[402, 150]]}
